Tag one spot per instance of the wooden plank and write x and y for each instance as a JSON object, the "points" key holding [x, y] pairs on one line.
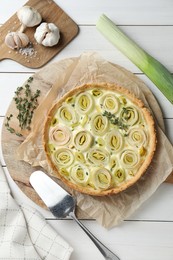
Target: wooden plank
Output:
{"points": [[10, 81], [166, 106], [125, 12], [159, 207], [157, 40], [154, 209], [130, 240]]}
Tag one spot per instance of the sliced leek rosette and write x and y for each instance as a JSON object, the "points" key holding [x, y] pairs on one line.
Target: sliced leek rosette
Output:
{"points": [[98, 156], [130, 159], [84, 103], [101, 179], [83, 140], [67, 114], [99, 124], [99, 139], [114, 141], [129, 115], [137, 137], [63, 157], [80, 174], [110, 103], [60, 135]]}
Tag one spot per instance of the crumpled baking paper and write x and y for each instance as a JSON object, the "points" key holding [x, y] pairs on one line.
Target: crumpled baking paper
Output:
{"points": [[58, 78]]}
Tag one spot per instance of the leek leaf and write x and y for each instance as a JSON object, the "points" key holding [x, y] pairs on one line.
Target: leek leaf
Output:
{"points": [[155, 71]]}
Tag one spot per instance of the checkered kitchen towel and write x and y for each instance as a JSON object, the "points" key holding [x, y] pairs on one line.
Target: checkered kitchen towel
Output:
{"points": [[24, 233]]}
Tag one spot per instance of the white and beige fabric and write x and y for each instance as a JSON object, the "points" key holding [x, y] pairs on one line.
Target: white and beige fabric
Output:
{"points": [[24, 233]]}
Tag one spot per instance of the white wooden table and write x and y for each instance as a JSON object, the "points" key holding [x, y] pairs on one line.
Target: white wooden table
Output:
{"points": [[148, 234]]}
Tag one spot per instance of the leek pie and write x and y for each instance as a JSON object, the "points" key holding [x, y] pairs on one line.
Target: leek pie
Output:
{"points": [[99, 139]]}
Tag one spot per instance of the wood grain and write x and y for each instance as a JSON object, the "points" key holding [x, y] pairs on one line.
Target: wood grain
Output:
{"points": [[50, 12]]}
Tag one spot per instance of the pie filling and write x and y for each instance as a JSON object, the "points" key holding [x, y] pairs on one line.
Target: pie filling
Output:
{"points": [[98, 139]]}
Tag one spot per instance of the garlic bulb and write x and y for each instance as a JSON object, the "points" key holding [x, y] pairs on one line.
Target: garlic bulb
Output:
{"points": [[29, 16], [16, 40], [47, 34]]}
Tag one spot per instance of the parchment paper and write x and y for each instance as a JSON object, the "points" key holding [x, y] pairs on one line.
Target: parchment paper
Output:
{"points": [[58, 78]]}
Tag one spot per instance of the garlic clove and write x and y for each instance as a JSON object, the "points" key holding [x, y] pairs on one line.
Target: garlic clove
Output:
{"points": [[40, 33], [9, 40], [16, 40], [24, 39], [29, 16], [50, 40], [47, 34]]}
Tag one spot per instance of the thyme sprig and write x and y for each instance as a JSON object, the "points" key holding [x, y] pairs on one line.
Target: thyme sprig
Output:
{"points": [[26, 102], [115, 120], [9, 128]]}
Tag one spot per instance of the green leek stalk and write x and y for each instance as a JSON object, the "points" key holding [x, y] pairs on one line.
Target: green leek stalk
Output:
{"points": [[155, 71]]}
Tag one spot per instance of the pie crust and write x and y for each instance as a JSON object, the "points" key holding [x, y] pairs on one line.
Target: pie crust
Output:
{"points": [[99, 139]]}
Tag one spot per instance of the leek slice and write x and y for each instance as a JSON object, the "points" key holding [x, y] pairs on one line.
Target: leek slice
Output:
{"points": [[113, 162], [70, 100], [63, 157], [130, 159], [80, 174], [64, 172], [79, 157], [156, 72], [84, 120], [114, 141], [60, 135], [119, 175], [84, 103], [137, 137], [83, 140], [101, 179], [99, 124], [142, 151], [98, 156], [52, 148], [66, 114], [129, 115], [110, 103], [97, 92], [54, 121], [100, 141]]}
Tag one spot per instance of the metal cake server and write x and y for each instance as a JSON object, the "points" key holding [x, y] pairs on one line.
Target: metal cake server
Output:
{"points": [[62, 204]]}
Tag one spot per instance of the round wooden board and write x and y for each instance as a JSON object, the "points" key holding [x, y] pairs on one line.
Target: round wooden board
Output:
{"points": [[20, 171]]}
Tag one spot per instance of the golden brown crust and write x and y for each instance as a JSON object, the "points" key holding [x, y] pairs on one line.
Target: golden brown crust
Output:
{"points": [[149, 121]]}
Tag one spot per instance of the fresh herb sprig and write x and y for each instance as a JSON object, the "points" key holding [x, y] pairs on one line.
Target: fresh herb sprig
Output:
{"points": [[9, 128], [26, 102], [115, 120]]}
